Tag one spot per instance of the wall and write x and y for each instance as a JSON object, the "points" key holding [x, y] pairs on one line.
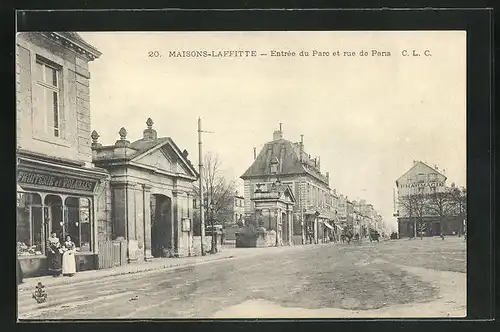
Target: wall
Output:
{"points": [[196, 245], [103, 213], [74, 142]]}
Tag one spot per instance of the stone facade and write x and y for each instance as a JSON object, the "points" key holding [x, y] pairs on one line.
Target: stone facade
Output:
{"points": [[60, 51], [414, 189], [53, 148], [296, 169], [151, 194]]}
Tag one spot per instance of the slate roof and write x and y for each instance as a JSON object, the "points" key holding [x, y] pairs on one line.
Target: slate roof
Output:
{"points": [[289, 154]]}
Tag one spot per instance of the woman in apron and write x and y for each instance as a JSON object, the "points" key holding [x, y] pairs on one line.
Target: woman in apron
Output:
{"points": [[54, 252], [68, 260]]}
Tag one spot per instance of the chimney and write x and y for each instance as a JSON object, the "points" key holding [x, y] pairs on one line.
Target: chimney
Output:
{"points": [[301, 147], [328, 178], [278, 134], [254, 153], [149, 134]]}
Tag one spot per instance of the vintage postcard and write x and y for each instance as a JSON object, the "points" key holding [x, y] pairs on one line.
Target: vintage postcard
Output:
{"points": [[241, 174]]}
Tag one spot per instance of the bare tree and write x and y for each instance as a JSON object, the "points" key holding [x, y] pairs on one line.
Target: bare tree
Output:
{"points": [[458, 202], [414, 207], [218, 189], [420, 200], [439, 204]]}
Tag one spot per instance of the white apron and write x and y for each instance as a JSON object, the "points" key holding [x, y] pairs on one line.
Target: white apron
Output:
{"points": [[68, 262]]}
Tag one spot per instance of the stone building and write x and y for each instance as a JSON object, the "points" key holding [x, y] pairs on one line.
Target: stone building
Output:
{"points": [[151, 194], [421, 191], [294, 168], [59, 190], [238, 210]]}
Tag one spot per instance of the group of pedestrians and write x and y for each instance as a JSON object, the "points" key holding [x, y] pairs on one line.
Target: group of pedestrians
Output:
{"points": [[61, 257]]}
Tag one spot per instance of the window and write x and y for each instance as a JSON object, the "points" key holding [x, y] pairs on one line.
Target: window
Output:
{"points": [[195, 204], [261, 187], [77, 223], [46, 97], [29, 232], [421, 177]]}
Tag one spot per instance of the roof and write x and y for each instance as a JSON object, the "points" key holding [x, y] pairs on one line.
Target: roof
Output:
{"points": [[415, 165], [76, 38], [289, 154], [143, 145]]}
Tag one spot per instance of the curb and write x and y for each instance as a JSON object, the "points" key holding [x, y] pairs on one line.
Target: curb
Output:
{"points": [[121, 273]]}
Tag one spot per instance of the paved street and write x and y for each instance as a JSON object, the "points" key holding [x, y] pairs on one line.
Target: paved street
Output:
{"points": [[402, 278]]}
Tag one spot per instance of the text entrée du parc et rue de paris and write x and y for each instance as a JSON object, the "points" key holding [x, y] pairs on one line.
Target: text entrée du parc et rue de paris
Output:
{"points": [[287, 53]]}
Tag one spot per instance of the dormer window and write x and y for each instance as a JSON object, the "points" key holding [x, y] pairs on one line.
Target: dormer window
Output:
{"points": [[274, 166]]}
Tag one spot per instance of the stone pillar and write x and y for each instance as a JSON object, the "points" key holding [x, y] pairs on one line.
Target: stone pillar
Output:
{"points": [[146, 199], [176, 221], [119, 203], [190, 232], [134, 212], [279, 220], [290, 226]]}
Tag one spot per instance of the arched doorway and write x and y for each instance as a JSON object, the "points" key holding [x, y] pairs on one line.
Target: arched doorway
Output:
{"points": [[161, 225]]}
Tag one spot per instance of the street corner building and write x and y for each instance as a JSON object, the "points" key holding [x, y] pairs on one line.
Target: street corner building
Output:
{"points": [[284, 176], [58, 188], [122, 203], [151, 194], [425, 205]]}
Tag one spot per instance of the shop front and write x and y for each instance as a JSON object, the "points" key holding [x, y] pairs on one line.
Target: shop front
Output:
{"points": [[60, 199]]}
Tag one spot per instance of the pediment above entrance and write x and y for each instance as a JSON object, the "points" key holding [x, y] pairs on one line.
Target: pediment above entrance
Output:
{"points": [[157, 159], [165, 159]]}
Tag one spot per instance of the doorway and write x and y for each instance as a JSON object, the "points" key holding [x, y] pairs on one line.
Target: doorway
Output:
{"points": [[161, 225], [284, 222]]}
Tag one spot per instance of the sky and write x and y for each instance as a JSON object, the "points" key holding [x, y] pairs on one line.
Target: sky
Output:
{"points": [[367, 117]]}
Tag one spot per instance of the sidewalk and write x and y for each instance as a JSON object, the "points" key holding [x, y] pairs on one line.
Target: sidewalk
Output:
{"points": [[155, 264]]}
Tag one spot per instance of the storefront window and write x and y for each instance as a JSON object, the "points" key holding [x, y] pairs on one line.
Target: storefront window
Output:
{"points": [[53, 215], [78, 224], [29, 232]]}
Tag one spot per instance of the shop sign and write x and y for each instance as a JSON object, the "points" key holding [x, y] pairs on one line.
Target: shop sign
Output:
{"points": [[63, 182], [422, 184]]}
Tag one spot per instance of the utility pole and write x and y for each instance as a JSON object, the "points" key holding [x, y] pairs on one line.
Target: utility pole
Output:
{"points": [[202, 212]]}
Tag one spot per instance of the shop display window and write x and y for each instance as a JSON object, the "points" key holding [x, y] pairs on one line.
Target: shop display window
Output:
{"points": [[36, 221], [29, 232], [78, 223]]}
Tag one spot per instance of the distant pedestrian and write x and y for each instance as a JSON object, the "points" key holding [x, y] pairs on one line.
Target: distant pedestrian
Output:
{"points": [[54, 255]]}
